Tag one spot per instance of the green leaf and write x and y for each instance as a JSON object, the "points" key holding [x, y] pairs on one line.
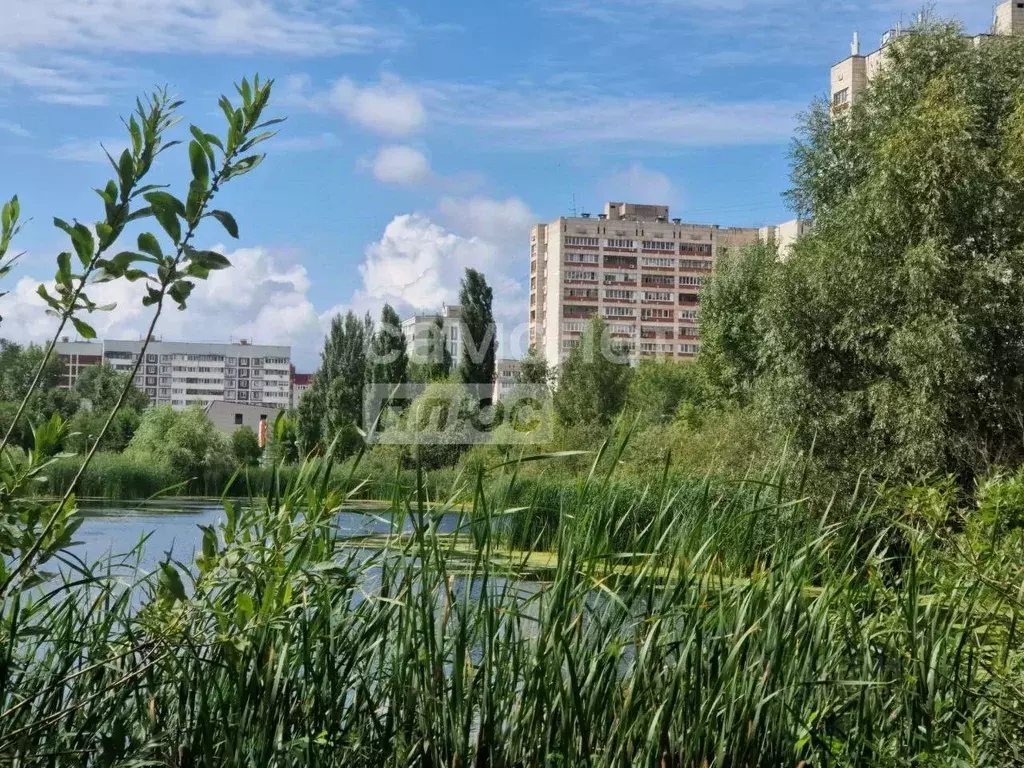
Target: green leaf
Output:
{"points": [[64, 269], [200, 164], [106, 234], [85, 246], [84, 329], [180, 292], [211, 260], [209, 542], [126, 258], [165, 200], [170, 580], [136, 133], [149, 244], [169, 221], [126, 174], [197, 270], [228, 222]]}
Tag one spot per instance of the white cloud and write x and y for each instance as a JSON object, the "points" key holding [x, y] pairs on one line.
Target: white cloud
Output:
{"points": [[258, 298], [557, 119], [401, 165], [14, 129], [418, 264], [58, 78], [314, 143], [506, 222], [638, 184], [88, 150], [296, 27], [390, 107]]}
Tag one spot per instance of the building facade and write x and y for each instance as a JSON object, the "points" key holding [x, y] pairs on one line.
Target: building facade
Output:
{"points": [[507, 374], [301, 382], [182, 374], [851, 76], [231, 417], [76, 357], [635, 267], [419, 334]]}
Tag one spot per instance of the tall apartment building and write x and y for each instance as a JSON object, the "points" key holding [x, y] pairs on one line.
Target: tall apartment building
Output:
{"points": [[852, 75], [632, 265], [418, 331], [181, 374]]}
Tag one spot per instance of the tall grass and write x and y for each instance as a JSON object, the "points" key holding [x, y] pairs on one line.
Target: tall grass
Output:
{"points": [[285, 645]]}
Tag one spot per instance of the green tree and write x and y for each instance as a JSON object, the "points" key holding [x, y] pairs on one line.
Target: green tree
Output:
{"points": [[186, 442], [658, 388], [731, 332], [478, 332], [309, 421], [593, 380], [87, 424], [284, 443], [245, 446], [534, 369], [332, 408], [18, 366], [101, 385], [438, 366], [389, 358], [893, 337]]}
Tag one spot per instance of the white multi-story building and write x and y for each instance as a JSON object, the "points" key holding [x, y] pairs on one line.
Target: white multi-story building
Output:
{"points": [[181, 374], [507, 374], [419, 330], [852, 76], [633, 266]]}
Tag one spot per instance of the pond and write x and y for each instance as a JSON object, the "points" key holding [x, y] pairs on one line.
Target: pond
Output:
{"points": [[172, 525]]}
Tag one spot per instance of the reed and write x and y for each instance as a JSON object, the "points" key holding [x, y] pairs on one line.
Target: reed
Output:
{"points": [[650, 641]]}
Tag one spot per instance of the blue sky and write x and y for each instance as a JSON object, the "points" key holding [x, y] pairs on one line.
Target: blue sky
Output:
{"points": [[422, 138]]}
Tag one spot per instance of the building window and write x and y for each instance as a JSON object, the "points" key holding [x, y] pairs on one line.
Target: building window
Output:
{"points": [[691, 280], [654, 261], [841, 97], [620, 244], [619, 312], [574, 275], [614, 293], [658, 245], [582, 258], [238, 419], [695, 247], [657, 296], [590, 242]]}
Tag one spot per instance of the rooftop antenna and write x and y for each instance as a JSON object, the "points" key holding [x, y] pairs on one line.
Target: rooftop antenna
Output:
{"points": [[572, 208], [855, 45]]}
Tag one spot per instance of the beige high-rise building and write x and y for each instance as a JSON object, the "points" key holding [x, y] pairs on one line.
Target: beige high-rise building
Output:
{"points": [[852, 75], [633, 266]]}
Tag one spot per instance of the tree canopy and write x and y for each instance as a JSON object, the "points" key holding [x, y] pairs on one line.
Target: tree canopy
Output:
{"points": [[892, 338]]}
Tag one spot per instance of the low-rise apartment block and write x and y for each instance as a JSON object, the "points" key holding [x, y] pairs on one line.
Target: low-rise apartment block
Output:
{"points": [[634, 266], [181, 374]]}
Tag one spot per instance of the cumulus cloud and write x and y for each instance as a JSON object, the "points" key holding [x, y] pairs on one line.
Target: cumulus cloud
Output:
{"points": [[401, 165], [418, 263], [638, 184], [389, 107], [258, 298]]}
